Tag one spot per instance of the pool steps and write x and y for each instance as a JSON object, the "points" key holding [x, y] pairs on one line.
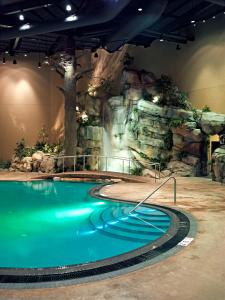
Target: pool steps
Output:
{"points": [[116, 222]]}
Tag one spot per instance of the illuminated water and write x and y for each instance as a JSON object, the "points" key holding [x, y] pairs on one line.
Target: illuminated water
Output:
{"points": [[47, 224]]}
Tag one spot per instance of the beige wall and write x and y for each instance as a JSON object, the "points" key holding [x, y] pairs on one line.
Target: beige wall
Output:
{"points": [[28, 100], [198, 68]]}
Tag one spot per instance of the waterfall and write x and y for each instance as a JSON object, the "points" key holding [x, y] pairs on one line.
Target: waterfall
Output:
{"points": [[115, 138]]}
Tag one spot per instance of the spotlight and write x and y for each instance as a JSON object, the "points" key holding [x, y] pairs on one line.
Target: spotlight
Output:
{"points": [[214, 17], [25, 26], [178, 47], [192, 21], [3, 60], [96, 55], [6, 52], [21, 17], [71, 18], [140, 9], [203, 21], [68, 7], [161, 40], [14, 61], [39, 65], [25, 54]]}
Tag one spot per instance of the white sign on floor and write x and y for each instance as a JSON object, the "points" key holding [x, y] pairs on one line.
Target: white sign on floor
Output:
{"points": [[186, 241]]}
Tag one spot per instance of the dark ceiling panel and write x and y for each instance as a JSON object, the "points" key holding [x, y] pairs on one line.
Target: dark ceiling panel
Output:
{"points": [[173, 23]]}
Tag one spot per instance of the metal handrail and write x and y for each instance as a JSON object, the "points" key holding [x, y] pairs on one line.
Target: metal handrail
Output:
{"points": [[158, 188], [156, 165]]}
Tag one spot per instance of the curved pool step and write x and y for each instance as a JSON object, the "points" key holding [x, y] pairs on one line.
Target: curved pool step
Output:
{"points": [[123, 215], [116, 222], [123, 223]]}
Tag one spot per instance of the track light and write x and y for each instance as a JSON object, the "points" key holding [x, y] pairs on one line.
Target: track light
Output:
{"points": [[25, 26], [178, 47], [68, 7], [21, 17], [3, 60], [71, 18]]}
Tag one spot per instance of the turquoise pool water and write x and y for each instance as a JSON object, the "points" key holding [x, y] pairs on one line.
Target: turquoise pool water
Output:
{"points": [[49, 224]]}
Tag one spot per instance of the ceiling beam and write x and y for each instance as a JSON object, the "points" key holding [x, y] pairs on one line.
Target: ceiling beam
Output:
{"points": [[218, 2], [26, 6]]}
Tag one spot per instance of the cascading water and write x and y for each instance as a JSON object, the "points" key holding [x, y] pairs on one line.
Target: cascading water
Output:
{"points": [[115, 138]]}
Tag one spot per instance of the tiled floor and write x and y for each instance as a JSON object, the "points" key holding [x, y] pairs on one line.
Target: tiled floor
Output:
{"points": [[195, 273]]}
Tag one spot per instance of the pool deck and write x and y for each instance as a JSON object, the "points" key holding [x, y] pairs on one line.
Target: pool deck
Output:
{"points": [[197, 272]]}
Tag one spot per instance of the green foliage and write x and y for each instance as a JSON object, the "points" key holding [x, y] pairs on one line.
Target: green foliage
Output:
{"points": [[196, 115], [87, 167], [20, 149], [170, 94], [176, 123], [43, 135], [5, 164], [137, 171], [90, 121], [206, 108]]}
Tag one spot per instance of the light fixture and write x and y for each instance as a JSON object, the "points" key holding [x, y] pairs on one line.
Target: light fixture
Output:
{"points": [[68, 7], [21, 17], [203, 21], [155, 99], [140, 9], [161, 40], [3, 60], [178, 47], [6, 52], [192, 21], [214, 17], [25, 26], [71, 18], [14, 61], [25, 54]]}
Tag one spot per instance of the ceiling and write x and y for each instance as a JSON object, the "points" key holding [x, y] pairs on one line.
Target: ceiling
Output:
{"points": [[49, 28]]}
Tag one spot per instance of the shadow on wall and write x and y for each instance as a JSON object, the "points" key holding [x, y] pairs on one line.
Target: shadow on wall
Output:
{"points": [[24, 105]]}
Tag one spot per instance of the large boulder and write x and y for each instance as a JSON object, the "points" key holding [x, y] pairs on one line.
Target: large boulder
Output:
{"points": [[212, 123], [218, 164], [181, 169], [48, 164]]}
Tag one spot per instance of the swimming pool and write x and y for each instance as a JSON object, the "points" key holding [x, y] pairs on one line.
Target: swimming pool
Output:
{"points": [[52, 228]]}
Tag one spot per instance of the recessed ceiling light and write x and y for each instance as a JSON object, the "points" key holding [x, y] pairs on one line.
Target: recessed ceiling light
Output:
{"points": [[25, 26], [21, 17], [71, 18], [140, 9], [68, 7], [192, 21]]}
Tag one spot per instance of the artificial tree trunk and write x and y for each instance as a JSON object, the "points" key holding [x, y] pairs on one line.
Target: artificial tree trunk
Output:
{"points": [[70, 122]]}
